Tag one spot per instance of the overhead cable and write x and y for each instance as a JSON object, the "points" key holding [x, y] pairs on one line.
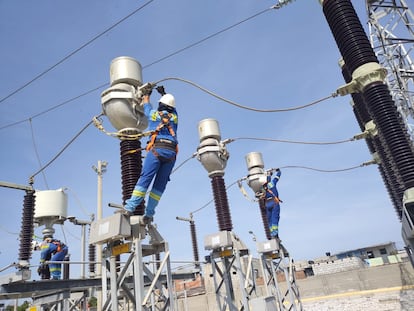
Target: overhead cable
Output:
{"points": [[329, 171], [206, 38], [185, 161], [246, 107], [146, 66], [53, 108], [229, 140], [300, 167], [185, 81], [61, 151], [74, 52], [293, 141], [37, 153]]}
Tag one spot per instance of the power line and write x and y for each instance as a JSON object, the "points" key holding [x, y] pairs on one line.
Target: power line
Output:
{"points": [[300, 167], [294, 141], [54, 107], [247, 107], [193, 84], [74, 52], [325, 171], [146, 66], [271, 140], [37, 154], [63, 149], [208, 37]]}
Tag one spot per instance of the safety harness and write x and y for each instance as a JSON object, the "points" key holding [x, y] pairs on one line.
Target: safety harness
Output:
{"points": [[162, 143], [274, 197]]}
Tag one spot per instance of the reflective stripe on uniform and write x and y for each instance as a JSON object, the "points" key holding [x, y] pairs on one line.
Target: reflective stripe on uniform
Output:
{"points": [[138, 193], [156, 197], [274, 228]]}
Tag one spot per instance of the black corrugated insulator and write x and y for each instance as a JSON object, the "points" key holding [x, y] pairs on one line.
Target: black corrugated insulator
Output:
{"points": [[386, 166], [195, 244], [158, 260], [391, 130], [27, 229], [262, 207], [131, 167], [349, 34], [92, 257], [221, 203]]}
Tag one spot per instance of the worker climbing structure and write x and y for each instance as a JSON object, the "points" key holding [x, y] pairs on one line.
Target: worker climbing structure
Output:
{"points": [[274, 257], [132, 284]]}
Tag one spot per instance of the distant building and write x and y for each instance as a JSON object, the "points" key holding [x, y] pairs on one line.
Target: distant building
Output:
{"points": [[364, 257], [375, 251]]}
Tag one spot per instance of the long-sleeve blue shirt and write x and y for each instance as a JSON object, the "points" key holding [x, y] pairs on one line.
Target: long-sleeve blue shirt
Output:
{"points": [[271, 190]]}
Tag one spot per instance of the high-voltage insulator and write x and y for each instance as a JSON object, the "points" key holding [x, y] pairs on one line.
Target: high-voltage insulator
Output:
{"points": [[386, 163], [92, 258], [27, 230], [131, 166], [194, 243], [121, 104], [193, 237], [367, 78], [348, 33], [221, 203], [393, 132], [158, 260], [262, 207], [212, 153]]}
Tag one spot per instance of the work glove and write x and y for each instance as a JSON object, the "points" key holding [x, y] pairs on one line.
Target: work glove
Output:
{"points": [[161, 90], [147, 91], [41, 269]]}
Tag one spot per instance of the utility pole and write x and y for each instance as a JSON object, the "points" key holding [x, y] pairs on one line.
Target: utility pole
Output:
{"points": [[83, 224], [99, 171]]}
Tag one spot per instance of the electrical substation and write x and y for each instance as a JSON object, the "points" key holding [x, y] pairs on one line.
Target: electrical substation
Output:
{"points": [[129, 260]]}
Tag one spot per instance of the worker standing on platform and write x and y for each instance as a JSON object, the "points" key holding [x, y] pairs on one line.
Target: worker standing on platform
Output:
{"points": [[161, 149], [272, 202], [51, 250]]}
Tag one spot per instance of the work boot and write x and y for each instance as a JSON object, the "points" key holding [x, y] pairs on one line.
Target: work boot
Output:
{"points": [[147, 219], [124, 211]]}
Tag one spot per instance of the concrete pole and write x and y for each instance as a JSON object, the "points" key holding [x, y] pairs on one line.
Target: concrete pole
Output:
{"points": [[99, 171], [83, 251]]}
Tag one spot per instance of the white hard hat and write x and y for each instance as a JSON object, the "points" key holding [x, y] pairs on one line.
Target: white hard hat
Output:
{"points": [[168, 100]]}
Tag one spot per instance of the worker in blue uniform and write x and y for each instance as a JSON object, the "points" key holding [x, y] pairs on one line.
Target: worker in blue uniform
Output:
{"points": [[272, 203], [162, 151], [53, 250]]}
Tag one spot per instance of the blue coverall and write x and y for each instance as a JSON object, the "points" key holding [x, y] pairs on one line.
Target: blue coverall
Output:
{"points": [[272, 204], [158, 163], [56, 251]]}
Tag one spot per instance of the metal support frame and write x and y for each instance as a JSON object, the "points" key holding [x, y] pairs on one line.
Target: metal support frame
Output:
{"points": [[391, 32], [62, 300], [226, 260], [132, 284], [274, 260]]}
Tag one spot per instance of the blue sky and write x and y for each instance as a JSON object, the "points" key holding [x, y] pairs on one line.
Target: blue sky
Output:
{"points": [[279, 59]]}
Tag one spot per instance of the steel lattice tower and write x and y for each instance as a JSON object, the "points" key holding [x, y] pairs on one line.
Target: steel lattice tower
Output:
{"points": [[391, 32]]}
